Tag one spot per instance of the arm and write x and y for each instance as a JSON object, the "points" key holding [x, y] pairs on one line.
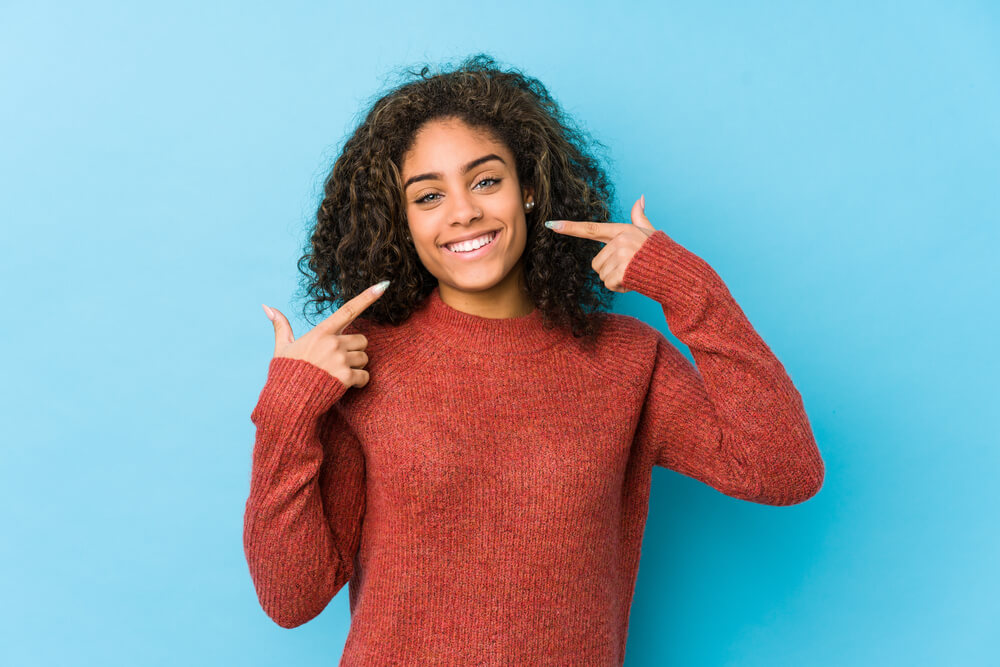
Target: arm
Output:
{"points": [[303, 516], [736, 422]]}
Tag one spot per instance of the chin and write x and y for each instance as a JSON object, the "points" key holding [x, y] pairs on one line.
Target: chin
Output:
{"points": [[474, 284]]}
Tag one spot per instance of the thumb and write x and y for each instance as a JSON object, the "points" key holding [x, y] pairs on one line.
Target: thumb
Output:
{"points": [[639, 218], [282, 329]]}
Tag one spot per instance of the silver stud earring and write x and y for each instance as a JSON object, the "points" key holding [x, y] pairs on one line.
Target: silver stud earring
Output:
{"points": [[530, 205]]}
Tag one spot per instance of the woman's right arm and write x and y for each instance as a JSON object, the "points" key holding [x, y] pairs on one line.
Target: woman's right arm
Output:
{"points": [[303, 517]]}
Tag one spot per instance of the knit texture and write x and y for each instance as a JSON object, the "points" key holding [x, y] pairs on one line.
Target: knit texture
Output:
{"points": [[485, 494]]}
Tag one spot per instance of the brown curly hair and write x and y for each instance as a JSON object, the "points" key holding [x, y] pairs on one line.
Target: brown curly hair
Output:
{"points": [[360, 235]]}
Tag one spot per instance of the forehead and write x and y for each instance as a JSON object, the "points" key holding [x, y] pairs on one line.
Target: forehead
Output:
{"points": [[448, 142]]}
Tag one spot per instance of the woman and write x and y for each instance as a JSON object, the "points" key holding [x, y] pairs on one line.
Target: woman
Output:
{"points": [[472, 448]]}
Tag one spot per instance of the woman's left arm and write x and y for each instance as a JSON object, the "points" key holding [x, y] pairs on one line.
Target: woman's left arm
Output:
{"points": [[736, 422]]}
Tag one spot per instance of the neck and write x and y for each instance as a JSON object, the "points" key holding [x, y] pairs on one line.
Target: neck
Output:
{"points": [[508, 298]]}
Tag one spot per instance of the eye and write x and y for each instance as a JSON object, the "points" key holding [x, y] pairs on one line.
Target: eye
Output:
{"points": [[492, 181], [424, 200]]}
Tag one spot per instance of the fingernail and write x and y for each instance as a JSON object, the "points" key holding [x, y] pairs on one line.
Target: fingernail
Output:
{"points": [[642, 203], [380, 287], [268, 312], [554, 224]]}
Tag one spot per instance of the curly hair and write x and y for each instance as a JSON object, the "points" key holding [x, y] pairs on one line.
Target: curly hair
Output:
{"points": [[361, 226]]}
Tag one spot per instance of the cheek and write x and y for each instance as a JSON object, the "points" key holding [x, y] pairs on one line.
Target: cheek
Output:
{"points": [[424, 241], [420, 228], [514, 207], [517, 240]]}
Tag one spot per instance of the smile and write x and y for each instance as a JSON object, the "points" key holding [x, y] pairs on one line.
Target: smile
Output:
{"points": [[469, 249]]}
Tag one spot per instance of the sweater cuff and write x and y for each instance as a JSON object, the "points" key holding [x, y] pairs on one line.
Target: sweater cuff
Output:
{"points": [[665, 271], [295, 388]]}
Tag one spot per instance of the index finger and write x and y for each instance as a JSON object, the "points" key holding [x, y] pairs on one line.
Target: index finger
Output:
{"points": [[598, 231], [347, 313]]}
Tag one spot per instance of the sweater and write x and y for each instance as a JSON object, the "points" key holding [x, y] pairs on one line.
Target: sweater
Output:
{"points": [[485, 494]]}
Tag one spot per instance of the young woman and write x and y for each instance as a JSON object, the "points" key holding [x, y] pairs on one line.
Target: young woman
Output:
{"points": [[472, 448]]}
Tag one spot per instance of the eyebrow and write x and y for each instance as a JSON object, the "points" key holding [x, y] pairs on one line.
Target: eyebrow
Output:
{"points": [[472, 165]]}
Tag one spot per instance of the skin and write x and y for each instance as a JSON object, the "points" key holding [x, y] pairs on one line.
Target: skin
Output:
{"points": [[455, 204]]}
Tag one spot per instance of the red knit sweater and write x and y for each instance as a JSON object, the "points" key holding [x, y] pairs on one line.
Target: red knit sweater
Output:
{"points": [[485, 494]]}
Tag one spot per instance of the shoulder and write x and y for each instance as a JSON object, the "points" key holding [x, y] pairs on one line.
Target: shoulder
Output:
{"points": [[391, 344], [624, 332], [624, 350], [364, 325], [379, 336]]}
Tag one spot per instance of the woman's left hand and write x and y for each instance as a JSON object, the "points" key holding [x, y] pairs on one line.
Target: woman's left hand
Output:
{"points": [[622, 242]]}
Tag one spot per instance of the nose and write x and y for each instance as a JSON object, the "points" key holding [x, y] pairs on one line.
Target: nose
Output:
{"points": [[464, 208]]}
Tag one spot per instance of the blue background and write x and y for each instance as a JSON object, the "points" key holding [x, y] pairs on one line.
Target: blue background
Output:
{"points": [[839, 167]]}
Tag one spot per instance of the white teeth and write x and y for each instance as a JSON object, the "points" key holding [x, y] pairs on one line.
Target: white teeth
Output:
{"points": [[473, 244]]}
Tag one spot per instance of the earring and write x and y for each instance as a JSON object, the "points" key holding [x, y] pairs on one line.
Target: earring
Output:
{"points": [[530, 205]]}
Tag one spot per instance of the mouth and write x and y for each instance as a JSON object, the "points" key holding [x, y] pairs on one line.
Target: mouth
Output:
{"points": [[476, 253]]}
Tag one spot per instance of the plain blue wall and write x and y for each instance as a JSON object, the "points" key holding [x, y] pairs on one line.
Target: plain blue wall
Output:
{"points": [[838, 166]]}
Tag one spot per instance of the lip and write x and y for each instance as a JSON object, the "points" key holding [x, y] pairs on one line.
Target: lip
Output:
{"points": [[471, 236], [478, 252]]}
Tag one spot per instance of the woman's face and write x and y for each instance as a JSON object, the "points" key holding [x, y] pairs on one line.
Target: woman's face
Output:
{"points": [[460, 183]]}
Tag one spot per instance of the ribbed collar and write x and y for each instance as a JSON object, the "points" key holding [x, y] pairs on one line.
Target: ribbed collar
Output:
{"points": [[472, 333]]}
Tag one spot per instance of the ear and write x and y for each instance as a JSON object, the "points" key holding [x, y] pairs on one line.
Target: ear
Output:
{"points": [[528, 194]]}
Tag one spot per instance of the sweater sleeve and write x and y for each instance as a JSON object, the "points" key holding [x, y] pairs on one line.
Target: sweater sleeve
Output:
{"points": [[736, 422], [302, 522]]}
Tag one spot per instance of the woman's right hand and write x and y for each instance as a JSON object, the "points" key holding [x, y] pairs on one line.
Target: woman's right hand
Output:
{"points": [[342, 356]]}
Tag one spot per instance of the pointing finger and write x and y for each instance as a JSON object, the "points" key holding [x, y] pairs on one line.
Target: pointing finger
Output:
{"points": [[352, 308], [598, 231]]}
